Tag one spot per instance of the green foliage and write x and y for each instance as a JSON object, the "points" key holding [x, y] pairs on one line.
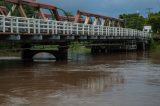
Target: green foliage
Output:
{"points": [[154, 21], [1, 2], [78, 47], [10, 53], [68, 13], [153, 44], [134, 21], [45, 47], [28, 9]]}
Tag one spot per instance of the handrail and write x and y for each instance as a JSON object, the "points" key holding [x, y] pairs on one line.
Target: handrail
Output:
{"points": [[11, 24]]}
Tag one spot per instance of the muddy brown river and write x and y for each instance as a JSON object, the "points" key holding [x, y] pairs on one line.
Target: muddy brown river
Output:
{"points": [[118, 79]]}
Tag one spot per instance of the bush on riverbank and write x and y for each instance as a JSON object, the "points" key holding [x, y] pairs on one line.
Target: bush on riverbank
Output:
{"points": [[78, 47], [9, 53], [8, 50], [155, 51], [155, 45]]}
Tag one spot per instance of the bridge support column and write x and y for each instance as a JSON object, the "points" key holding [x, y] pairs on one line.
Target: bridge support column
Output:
{"points": [[98, 49], [62, 53], [26, 53], [141, 46]]}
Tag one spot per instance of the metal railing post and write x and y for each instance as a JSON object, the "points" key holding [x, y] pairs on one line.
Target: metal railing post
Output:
{"points": [[77, 28], [53, 27], [17, 25], [39, 29], [34, 26], [11, 25], [28, 25], [47, 27], [4, 23]]}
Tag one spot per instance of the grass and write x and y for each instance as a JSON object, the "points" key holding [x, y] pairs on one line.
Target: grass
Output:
{"points": [[77, 47], [155, 49], [45, 47], [155, 46], [9, 53], [74, 48]]}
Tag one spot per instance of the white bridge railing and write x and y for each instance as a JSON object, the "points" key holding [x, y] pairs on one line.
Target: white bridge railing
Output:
{"points": [[21, 25]]}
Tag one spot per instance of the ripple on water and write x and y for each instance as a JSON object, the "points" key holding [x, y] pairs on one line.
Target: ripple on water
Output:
{"points": [[10, 58], [18, 101], [113, 80], [154, 81]]}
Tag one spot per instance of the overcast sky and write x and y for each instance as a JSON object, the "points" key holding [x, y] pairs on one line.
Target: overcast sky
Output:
{"points": [[107, 7]]}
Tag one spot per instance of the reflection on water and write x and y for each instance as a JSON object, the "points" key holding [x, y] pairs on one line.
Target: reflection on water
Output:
{"points": [[125, 79]]}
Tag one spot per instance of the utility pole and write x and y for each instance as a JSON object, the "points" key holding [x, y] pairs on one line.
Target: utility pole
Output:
{"points": [[148, 11]]}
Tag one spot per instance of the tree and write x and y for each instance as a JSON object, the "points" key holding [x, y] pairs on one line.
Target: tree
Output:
{"points": [[134, 21], [1, 2], [68, 13], [28, 9], [154, 20]]}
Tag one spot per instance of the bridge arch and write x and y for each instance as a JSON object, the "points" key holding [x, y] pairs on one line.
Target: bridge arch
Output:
{"points": [[28, 55], [44, 56]]}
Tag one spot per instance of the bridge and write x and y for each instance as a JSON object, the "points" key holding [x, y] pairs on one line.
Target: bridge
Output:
{"points": [[103, 33]]}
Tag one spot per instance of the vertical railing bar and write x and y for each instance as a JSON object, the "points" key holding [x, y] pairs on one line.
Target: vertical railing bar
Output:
{"points": [[71, 28], [39, 28], [56, 27], [64, 30], [77, 28], [3, 20], [28, 24], [11, 25], [17, 27], [53, 27], [47, 27], [34, 26], [88, 29]]}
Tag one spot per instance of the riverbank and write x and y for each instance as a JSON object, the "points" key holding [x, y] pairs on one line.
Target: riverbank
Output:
{"points": [[9, 53], [74, 47], [80, 48], [155, 50]]}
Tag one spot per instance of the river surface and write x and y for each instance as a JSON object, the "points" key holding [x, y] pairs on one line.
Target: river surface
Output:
{"points": [[122, 79]]}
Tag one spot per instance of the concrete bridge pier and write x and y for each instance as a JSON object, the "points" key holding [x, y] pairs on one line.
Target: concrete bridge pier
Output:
{"points": [[62, 53], [98, 49], [28, 54], [141, 46]]}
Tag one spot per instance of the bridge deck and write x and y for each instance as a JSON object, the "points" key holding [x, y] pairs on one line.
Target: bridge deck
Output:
{"points": [[30, 26]]}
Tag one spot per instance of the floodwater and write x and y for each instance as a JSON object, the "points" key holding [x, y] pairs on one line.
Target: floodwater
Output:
{"points": [[119, 79]]}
